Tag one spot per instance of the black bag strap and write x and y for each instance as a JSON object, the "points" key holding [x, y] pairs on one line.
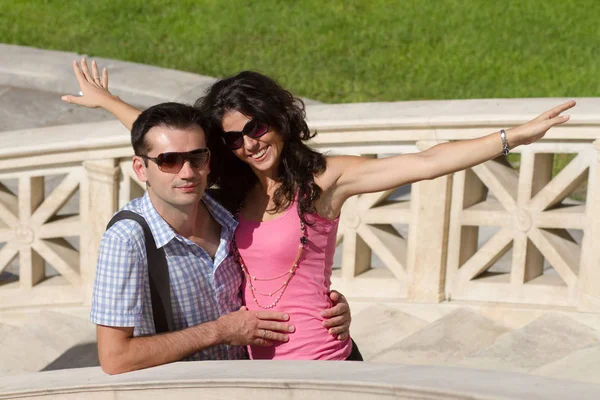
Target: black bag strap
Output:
{"points": [[158, 274]]}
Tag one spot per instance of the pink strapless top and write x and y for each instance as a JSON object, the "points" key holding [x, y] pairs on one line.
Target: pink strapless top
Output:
{"points": [[268, 249]]}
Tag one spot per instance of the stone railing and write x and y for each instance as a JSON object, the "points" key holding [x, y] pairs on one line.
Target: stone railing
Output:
{"points": [[433, 244], [58, 189], [60, 186], [292, 380]]}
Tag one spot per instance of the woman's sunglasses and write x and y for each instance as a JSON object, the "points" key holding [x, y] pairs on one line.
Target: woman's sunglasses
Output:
{"points": [[171, 163], [253, 128]]}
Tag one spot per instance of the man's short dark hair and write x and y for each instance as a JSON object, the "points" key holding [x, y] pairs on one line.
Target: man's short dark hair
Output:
{"points": [[170, 115]]}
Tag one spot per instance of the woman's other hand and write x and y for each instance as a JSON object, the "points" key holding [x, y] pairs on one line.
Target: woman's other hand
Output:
{"points": [[338, 317]]}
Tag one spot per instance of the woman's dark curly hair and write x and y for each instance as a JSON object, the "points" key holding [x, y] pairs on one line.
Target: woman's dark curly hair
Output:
{"points": [[258, 96]]}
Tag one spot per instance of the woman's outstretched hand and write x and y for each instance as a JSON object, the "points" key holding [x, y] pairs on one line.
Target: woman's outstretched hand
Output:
{"points": [[537, 127], [94, 87]]}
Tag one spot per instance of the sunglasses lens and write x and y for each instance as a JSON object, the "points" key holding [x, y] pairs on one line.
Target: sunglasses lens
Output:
{"points": [[170, 162], [253, 129], [258, 130], [233, 140], [198, 159]]}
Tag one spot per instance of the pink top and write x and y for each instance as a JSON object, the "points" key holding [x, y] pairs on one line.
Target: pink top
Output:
{"points": [[268, 249]]}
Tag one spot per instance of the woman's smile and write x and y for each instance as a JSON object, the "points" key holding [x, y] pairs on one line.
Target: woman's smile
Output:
{"points": [[261, 154]]}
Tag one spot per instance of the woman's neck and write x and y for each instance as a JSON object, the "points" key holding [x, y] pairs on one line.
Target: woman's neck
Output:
{"points": [[261, 197], [267, 183]]}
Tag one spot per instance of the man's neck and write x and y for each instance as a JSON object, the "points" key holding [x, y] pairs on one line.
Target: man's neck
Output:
{"points": [[183, 220]]}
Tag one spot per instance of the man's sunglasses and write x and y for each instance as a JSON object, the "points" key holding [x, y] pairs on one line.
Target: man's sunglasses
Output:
{"points": [[171, 163], [253, 128]]}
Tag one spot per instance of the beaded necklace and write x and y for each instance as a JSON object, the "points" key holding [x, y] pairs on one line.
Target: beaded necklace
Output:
{"points": [[288, 274]]}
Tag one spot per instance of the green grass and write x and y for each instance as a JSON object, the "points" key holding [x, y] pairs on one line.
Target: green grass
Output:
{"points": [[338, 50], [334, 50]]}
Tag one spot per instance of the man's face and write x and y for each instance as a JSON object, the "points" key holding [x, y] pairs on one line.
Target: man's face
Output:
{"points": [[173, 190]]}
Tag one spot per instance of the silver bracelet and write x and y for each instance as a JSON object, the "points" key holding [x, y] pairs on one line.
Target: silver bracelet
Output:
{"points": [[505, 149]]}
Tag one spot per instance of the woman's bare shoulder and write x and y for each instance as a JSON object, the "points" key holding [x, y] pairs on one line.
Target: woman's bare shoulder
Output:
{"points": [[335, 167]]}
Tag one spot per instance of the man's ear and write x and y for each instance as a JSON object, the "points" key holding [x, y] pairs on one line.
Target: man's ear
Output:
{"points": [[139, 167]]}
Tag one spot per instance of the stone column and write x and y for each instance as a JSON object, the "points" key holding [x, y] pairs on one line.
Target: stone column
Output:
{"points": [[428, 237], [588, 285], [356, 254], [31, 265], [98, 203]]}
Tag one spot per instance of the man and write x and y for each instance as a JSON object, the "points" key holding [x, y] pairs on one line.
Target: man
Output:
{"points": [[171, 157]]}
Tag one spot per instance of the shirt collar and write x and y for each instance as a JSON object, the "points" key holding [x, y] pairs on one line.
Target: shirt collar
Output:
{"points": [[162, 231], [223, 217]]}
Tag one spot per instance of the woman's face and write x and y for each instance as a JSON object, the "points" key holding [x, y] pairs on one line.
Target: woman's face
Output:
{"points": [[262, 153]]}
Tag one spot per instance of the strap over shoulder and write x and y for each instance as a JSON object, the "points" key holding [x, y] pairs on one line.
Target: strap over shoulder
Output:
{"points": [[158, 274]]}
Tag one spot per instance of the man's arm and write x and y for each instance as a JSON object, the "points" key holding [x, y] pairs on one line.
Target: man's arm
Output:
{"points": [[120, 352], [117, 306]]}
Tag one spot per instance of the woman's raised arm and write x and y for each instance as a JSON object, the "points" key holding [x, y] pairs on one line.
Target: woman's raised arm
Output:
{"points": [[355, 175], [94, 94]]}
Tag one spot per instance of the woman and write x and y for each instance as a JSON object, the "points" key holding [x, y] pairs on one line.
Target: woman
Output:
{"points": [[288, 197]]}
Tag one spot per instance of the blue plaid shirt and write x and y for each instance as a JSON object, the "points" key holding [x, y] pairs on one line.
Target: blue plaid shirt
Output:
{"points": [[201, 289]]}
